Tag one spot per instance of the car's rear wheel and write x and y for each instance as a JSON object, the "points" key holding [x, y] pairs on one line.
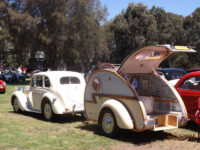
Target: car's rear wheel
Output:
{"points": [[47, 111], [107, 123], [16, 106]]}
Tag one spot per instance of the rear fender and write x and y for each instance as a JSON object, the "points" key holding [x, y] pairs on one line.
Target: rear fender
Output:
{"points": [[56, 105], [122, 116]]}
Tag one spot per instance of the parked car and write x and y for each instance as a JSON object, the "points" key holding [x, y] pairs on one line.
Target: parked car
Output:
{"points": [[10, 77], [172, 74], [2, 86], [50, 93], [189, 89], [135, 97]]}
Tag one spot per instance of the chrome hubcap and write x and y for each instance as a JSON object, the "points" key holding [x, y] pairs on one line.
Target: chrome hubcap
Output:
{"points": [[108, 123], [47, 111]]}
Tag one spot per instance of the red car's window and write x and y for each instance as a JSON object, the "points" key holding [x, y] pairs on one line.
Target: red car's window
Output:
{"points": [[192, 83]]}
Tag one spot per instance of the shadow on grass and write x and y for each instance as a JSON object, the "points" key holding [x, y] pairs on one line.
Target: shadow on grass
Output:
{"points": [[62, 119], [191, 125], [137, 138]]}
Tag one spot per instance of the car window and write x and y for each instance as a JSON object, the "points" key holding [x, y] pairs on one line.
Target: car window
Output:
{"points": [[46, 82], [192, 83], [148, 54], [69, 80], [33, 82], [39, 82]]}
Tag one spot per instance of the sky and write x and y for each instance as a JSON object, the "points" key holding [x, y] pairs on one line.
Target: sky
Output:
{"points": [[180, 7]]}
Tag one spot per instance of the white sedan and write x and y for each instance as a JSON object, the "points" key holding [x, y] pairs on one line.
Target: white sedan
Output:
{"points": [[50, 93]]}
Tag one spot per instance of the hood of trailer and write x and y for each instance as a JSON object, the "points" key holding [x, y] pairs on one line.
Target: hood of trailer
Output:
{"points": [[147, 59]]}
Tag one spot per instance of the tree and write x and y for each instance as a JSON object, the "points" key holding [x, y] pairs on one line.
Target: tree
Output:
{"points": [[5, 37], [85, 42], [67, 31], [133, 29]]}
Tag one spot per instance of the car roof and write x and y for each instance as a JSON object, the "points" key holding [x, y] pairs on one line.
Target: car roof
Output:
{"points": [[57, 73], [54, 76], [171, 69]]}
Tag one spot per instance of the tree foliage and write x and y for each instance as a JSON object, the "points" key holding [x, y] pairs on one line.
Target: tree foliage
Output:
{"points": [[67, 31], [75, 34], [138, 26]]}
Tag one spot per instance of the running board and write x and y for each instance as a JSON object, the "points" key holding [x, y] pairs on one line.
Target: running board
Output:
{"points": [[32, 110]]}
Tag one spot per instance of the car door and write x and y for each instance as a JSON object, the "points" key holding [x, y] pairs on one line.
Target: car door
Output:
{"points": [[38, 92], [189, 90]]}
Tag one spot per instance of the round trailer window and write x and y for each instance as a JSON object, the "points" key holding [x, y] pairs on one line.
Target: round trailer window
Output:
{"points": [[96, 84]]}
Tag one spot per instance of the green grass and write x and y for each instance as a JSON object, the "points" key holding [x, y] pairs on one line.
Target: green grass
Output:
{"points": [[29, 131]]}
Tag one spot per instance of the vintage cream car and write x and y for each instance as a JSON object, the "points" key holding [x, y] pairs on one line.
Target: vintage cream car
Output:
{"points": [[50, 93], [135, 97]]}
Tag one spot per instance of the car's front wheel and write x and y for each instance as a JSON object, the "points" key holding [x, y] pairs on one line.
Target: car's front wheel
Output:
{"points": [[16, 106], [107, 123], [47, 111]]}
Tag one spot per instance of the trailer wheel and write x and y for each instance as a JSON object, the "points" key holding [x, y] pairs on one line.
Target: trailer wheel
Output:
{"points": [[107, 123], [16, 105], [47, 111]]}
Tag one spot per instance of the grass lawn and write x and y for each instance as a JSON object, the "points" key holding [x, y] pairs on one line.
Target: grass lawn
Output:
{"points": [[29, 131]]}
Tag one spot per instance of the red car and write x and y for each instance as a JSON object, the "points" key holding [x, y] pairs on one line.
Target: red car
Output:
{"points": [[189, 89], [2, 86]]}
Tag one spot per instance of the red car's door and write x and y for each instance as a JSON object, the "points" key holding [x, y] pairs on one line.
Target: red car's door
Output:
{"points": [[190, 99], [189, 90]]}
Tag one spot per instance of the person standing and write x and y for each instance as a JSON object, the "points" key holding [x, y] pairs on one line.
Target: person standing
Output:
{"points": [[91, 71]]}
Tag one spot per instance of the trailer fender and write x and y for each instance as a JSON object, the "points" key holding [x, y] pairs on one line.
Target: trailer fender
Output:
{"points": [[122, 116]]}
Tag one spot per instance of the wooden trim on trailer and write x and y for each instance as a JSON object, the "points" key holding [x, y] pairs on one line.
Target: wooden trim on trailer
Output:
{"points": [[165, 100], [115, 96]]}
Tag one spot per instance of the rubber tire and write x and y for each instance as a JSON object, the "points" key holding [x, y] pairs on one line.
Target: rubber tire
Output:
{"points": [[48, 105], [16, 108], [115, 129], [3, 92]]}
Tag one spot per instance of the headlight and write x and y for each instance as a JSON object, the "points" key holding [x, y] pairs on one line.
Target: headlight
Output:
{"points": [[4, 83], [1, 86]]}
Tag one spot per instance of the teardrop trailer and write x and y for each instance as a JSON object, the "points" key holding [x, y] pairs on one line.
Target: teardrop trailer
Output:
{"points": [[135, 97]]}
